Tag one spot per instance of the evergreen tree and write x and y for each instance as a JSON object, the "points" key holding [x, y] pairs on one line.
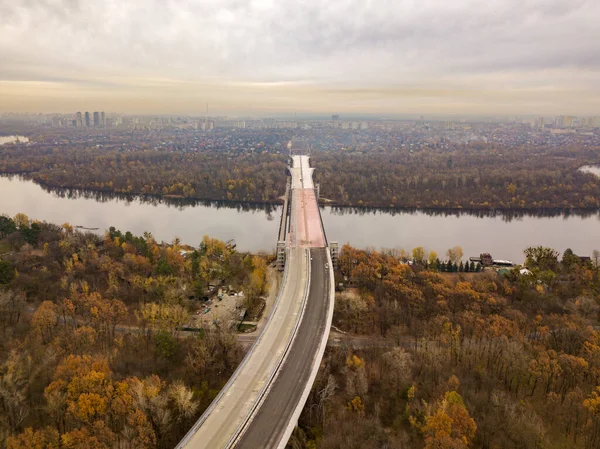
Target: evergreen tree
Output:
{"points": [[461, 267], [478, 268], [472, 268], [467, 267]]}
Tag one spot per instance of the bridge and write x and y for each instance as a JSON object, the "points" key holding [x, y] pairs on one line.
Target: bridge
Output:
{"points": [[260, 405]]}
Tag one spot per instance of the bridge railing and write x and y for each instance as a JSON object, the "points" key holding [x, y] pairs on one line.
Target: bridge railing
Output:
{"points": [[237, 372]]}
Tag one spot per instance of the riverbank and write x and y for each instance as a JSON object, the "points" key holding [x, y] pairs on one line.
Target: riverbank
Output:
{"points": [[183, 201]]}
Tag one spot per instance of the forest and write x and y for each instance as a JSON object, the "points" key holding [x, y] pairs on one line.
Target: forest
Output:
{"points": [[460, 360], [467, 177], [457, 357], [91, 356]]}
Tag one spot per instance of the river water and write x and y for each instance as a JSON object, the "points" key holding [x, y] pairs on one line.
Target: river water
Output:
{"points": [[11, 139], [255, 228], [593, 169]]}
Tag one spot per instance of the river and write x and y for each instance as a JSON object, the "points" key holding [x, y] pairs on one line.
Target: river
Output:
{"points": [[11, 139], [593, 169], [255, 228]]}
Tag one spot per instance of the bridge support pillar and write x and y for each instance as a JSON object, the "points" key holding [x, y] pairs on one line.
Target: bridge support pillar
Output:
{"points": [[334, 250], [280, 255]]}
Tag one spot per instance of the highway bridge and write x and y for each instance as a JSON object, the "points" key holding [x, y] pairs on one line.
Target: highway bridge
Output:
{"points": [[261, 403]]}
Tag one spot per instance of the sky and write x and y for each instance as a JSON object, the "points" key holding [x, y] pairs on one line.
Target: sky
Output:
{"points": [[269, 57]]}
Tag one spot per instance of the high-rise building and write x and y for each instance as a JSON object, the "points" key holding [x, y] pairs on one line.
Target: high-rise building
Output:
{"points": [[538, 124], [335, 117], [87, 119], [569, 121], [102, 120], [78, 120], [96, 119]]}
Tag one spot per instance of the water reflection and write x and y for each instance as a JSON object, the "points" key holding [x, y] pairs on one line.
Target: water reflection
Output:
{"points": [[153, 200], [505, 215], [269, 209]]}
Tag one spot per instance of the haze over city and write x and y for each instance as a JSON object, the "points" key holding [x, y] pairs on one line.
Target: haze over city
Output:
{"points": [[265, 57]]}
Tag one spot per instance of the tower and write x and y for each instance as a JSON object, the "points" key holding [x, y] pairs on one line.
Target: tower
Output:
{"points": [[87, 119], [334, 250], [96, 119]]}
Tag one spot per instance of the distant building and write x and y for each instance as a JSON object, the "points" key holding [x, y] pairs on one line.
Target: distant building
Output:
{"points": [[593, 122], [87, 119], [569, 121], [96, 119], [102, 120], [78, 120], [335, 117], [538, 124], [564, 121], [230, 124]]}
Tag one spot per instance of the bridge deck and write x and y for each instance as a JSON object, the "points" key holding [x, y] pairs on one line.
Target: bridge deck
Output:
{"points": [[233, 407], [273, 417], [239, 400], [306, 217]]}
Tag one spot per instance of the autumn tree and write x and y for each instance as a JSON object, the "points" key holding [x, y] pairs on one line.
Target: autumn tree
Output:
{"points": [[45, 320], [541, 258], [418, 254], [398, 365], [449, 425], [46, 438], [455, 254]]}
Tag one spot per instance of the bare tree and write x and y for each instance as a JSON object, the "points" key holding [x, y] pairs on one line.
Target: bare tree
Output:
{"points": [[455, 254]]}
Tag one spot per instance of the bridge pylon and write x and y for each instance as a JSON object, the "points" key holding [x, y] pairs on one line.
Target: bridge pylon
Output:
{"points": [[335, 251], [281, 255]]}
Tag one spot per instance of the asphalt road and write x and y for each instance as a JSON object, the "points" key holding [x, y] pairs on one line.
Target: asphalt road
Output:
{"points": [[271, 402], [238, 399], [273, 417]]}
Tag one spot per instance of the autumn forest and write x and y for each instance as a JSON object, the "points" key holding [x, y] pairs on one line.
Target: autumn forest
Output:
{"points": [[459, 360], [91, 355], [471, 176]]}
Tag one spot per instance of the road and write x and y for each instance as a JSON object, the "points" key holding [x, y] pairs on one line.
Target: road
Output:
{"points": [[240, 396], [260, 405], [272, 419]]}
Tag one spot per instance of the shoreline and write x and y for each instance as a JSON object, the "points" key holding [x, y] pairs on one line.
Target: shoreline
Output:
{"points": [[182, 201]]}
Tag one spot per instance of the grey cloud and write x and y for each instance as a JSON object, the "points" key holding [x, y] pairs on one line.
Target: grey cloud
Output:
{"points": [[347, 42]]}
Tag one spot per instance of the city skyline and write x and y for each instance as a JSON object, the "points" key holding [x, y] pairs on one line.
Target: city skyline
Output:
{"points": [[264, 58]]}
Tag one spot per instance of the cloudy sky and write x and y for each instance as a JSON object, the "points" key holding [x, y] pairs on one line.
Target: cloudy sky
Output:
{"points": [[463, 57]]}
